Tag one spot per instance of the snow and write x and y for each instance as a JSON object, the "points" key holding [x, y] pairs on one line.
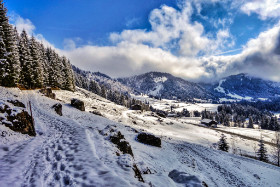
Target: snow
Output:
{"points": [[160, 79], [219, 88], [156, 91], [74, 149]]}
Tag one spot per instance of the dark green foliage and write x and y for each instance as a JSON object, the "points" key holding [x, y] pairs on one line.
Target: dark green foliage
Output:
{"points": [[262, 152], [251, 125], [9, 57], [26, 62], [222, 144]]}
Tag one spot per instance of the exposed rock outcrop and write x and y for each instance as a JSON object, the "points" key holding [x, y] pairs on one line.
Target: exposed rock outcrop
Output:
{"points": [[184, 178], [57, 108], [16, 118], [149, 139], [80, 105], [48, 93]]}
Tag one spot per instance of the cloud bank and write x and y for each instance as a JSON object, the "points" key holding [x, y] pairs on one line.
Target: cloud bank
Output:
{"points": [[178, 45]]}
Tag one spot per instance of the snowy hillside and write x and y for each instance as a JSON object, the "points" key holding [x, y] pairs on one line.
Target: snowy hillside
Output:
{"points": [[101, 79], [75, 149], [243, 86], [166, 86]]}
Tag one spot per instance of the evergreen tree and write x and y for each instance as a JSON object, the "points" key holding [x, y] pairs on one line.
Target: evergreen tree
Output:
{"points": [[67, 72], [45, 64], [222, 144], [250, 125], [26, 76], [10, 64], [262, 152], [36, 64], [276, 149], [3, 60], [94, 87]]}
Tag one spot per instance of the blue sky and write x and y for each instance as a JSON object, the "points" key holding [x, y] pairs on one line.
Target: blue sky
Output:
{"points": [[90, 20], [193, 39]]}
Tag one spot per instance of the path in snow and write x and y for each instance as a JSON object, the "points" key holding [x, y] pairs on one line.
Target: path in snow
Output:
{"points": [[62, 155]]}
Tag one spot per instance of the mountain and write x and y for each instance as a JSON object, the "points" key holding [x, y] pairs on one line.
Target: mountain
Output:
{"points": [[244, 86], [166, 86], [84, 77]]}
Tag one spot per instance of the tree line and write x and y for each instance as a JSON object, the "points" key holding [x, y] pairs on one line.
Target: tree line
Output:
{"points": [[27, 63], [106, 91]]}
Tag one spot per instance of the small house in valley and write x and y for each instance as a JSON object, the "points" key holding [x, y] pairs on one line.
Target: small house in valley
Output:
{"points": [[209, 123]]}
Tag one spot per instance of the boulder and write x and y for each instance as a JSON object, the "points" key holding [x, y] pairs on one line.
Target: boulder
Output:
{"points": [[17, 120], [149, 139], [78, 104], [184, 178], [48, 93], [161, 114], [121, 143], [96, 112], [136, 107], [16, 103], [57, 108]]}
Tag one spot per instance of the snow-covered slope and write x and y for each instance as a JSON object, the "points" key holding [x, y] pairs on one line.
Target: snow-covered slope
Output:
{"points": [[74, 149], [166, 86], [102, 79], [243, 86]]}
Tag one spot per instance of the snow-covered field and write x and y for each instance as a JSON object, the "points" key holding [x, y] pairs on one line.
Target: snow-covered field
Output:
{"points": [[166, 104], [72, 149]]}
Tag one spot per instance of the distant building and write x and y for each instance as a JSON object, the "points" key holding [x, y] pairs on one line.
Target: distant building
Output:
{"points": [[209, 123]]}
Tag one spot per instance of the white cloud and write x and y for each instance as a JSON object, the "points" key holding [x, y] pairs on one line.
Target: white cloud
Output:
{"points": [[140, 51], [264, 8], [23, 24]]}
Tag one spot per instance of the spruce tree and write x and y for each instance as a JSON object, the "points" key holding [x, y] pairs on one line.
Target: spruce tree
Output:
{"points": [[36, 64], [3, 60], [262, 152], [10, 66], [26, 76], [250, 125], [222, 144]]}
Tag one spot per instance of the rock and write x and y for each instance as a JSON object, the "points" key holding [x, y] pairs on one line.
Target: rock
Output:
{"points": [[96, 112], [48, 93], [57, 108], [149, 139], [78, 104], [121, 143], [17, 120], [136, 107], [22, 122], [184, 178], [16, 103], [161, 114]]}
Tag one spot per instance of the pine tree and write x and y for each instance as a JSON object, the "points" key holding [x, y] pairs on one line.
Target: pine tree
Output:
{"points": [[45, 64], [3, 60], [94, 87], [67, 72], [262, 152], [26, 76], [250, 125], [10, 66], [222, 144], [276, 149], [36, 64]]}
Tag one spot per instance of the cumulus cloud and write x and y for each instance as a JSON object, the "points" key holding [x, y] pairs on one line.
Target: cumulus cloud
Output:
{"points": [[25, 24], [177, 45], [260, 57], [140, 51], [264, 8]]}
